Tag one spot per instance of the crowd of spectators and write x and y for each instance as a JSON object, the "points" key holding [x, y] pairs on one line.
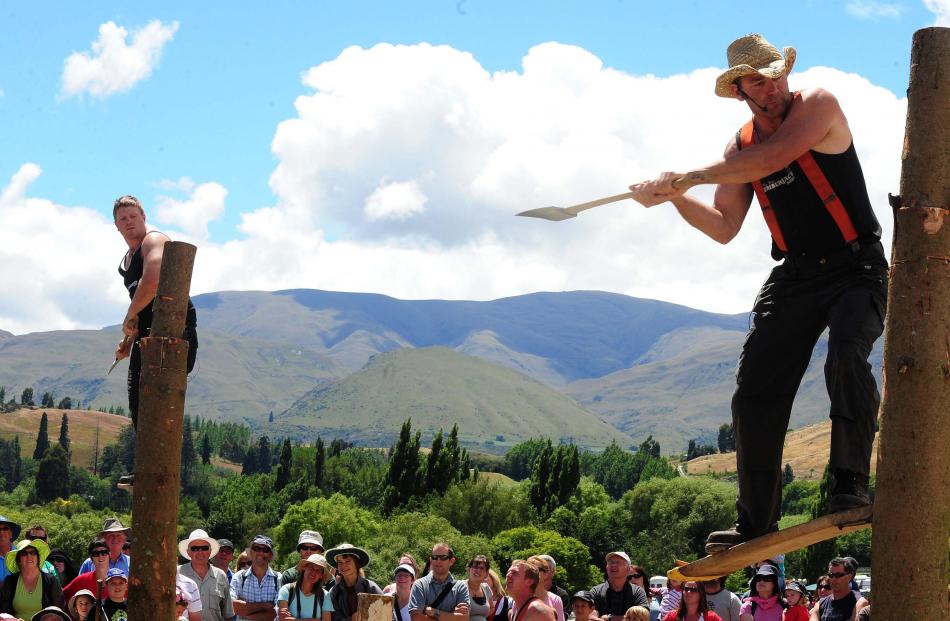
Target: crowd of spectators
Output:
{"points": [[213, 583]]}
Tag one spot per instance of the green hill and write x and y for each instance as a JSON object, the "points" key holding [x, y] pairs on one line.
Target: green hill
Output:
{"points": [[438, 387]]}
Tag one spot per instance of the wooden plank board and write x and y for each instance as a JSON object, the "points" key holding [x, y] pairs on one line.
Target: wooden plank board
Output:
{"points": [[773, 544]]}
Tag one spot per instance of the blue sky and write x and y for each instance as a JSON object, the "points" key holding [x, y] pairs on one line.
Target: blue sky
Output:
{"points": [[228, 75]]}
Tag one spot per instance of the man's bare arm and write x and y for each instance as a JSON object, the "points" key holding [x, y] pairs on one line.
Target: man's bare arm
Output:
{"points": [[539, 612], [152, 248]]}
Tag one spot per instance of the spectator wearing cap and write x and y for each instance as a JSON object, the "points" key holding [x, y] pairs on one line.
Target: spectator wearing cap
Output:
{"points": [[115, 535], [27, 590], [545, 581], [306, 598], [582, 604], [213, 585], [222, 560], [404, 559], [81, 605], [403, 577], [796, 596], [254, 589], [438, 595], [114, 606], [308, 542], [765, 601], [843, 602], [348, 561], [99, 553], [9, 531], [723, 602], [613, 597], [51, 613]]}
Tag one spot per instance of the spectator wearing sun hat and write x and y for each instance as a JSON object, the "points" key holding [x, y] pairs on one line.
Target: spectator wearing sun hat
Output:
{"points": [[254, 589], [27, 589], [51, 613], [9, 531], [308, 542], [115, 535], [349, 560], [214, 590], [306, 598], [82, 605]]}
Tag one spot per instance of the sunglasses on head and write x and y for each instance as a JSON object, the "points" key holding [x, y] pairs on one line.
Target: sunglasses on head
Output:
{"points": [[200, 548], [690, 589], [838, 574]]}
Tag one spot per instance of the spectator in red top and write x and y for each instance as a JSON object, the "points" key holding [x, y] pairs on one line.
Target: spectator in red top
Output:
{"points": [[693, 606]]}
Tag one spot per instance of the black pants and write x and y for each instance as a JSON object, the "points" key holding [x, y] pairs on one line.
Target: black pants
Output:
{"points": [[135, 368], [846, 294]]}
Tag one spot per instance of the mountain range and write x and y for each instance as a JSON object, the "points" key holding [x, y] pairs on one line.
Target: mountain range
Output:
{"points": [[555, 364]]}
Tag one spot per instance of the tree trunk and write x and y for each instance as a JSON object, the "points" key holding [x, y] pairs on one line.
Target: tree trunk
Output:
{"points": [[158, 443], [912, 504]]}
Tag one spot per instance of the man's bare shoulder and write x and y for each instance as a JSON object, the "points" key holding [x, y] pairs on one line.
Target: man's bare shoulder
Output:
{"points": [[818, 98], [154, 239], [540, 611]]}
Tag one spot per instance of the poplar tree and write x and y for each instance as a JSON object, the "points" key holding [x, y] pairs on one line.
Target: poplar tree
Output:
{"points": [[405, 466], [64, 433], [319, 462], [52, 476], [205, 450], [283, 466], [42, 437]]}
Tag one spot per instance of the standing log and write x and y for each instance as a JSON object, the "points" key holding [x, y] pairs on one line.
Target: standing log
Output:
{"points": [[912, 503], [158, 442], [372, 607]]}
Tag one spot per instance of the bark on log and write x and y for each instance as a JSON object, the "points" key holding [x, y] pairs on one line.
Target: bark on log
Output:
{"points": [[158, 443], [912, 503], [372, 607]]}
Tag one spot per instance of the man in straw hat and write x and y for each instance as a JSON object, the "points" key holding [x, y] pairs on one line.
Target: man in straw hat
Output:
{"points": [[797, 157], [213, 585]]}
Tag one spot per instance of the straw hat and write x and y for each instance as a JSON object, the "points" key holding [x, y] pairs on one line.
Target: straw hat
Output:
{"points": [[37, 544], [77, 595], [315, 559], [197, 535], [753, 54], [362, 558]]}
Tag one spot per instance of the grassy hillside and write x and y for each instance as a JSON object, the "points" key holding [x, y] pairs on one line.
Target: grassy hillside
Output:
{"points": [[25, 423], [806, 449], [438, 387]]}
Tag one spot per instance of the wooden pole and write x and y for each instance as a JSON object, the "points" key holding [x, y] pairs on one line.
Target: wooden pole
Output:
{"points": [[372, 607], [912, 502], [158, 442]]}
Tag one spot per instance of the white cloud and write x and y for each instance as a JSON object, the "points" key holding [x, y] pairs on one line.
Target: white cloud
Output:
{"points": [[395, 201], [114, 65], [204, 204], [874, 9], [479, 147], [941, 9]]}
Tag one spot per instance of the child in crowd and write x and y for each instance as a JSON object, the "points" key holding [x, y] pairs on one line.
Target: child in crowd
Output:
{"points": [[796, 595], [582, 604], [115, 604]]}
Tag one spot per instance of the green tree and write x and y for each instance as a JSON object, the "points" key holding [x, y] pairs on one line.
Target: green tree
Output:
{"points": [[27, 397], [52, 476], [615, 469], [787, 475], [189, 455], [405, 466], [249, 464], [264, 455], [205, 449], [726, 439], [574, 571], [519, 461], [64, 433], [570, 475], [47, 400], [339, 519], [3, 394], [42, 437], [283, 467], [66, 403], [438, 466], [319, 462], [540, 477], [483, 506], [650, 447]]}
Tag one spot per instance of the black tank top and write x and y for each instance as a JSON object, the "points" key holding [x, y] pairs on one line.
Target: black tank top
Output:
{"points": [[831, 609], [131, 276], [806, 225]]}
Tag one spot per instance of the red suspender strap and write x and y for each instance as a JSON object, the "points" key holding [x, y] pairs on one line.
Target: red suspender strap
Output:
{"points": [[746, 138], [827, 195]]}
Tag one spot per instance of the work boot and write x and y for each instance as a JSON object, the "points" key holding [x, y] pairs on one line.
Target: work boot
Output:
{"points": [[721, 540], [848, 490]]}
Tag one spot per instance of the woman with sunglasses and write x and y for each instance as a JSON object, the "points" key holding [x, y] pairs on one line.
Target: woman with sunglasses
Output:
{"points": [[27, 590], [822, 589], [693, 606], [765, 603], [480, 594], [99, 554]]}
